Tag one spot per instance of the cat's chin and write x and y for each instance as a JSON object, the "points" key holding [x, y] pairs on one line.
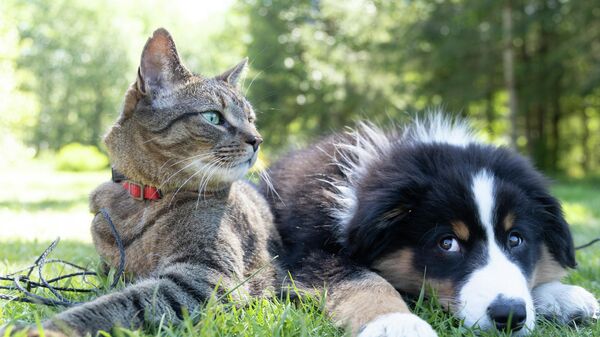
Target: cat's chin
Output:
{"points": [[219, 176], [224, 175], [234, 173]]}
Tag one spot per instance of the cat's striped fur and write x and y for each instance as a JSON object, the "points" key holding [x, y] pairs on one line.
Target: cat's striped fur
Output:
{"points": [[210, 230]]}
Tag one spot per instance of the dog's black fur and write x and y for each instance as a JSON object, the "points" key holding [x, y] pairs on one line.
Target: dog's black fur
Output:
{"points": [[429, 180], [406, 198]]}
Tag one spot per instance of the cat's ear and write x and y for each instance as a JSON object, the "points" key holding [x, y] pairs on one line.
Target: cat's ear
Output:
{"points": [[160, 67], [232, 76]]}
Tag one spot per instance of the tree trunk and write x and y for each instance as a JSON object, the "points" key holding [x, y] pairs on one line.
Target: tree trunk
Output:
{"points": [[555, 127], [509, 70], [555, 140], [540, 145], [529, 131], [585, 139], [96, 119], [489, 109]]}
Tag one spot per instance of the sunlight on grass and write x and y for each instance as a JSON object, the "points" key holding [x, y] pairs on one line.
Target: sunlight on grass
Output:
{"points": [[40, 204], [576, 213]]}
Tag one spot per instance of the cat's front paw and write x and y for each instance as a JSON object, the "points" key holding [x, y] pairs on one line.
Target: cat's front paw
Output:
{"points": [[14, 330], [565, 303], [397, 325], [47, 333]]}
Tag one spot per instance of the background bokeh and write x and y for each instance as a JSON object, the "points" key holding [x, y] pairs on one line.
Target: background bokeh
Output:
{"points": [[316, 66], [525, 72]]}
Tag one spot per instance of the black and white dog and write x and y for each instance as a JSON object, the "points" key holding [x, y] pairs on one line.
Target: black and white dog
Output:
{"points": [[368, 213]]}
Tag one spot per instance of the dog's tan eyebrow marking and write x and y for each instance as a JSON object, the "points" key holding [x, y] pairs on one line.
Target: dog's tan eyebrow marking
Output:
{"points": [[461, 230], [397, 268], [509, 221]]}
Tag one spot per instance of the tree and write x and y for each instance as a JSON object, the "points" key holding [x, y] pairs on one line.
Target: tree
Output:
{"points": [[79, 67], [509, 70]]}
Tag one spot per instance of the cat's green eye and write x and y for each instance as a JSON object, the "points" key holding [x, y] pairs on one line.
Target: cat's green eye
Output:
{"points": [[213, 117]]}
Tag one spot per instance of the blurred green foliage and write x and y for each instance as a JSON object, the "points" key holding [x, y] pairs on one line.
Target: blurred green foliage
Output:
{"points": [[76, 157], [318, 65]]}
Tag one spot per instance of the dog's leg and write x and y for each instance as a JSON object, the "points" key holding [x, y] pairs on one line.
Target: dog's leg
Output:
{"points": [[565, 303], [373, 308], [360, 299], [556, 301]]}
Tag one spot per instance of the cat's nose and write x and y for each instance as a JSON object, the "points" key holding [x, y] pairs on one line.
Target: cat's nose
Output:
{"points": [[254, 141]]}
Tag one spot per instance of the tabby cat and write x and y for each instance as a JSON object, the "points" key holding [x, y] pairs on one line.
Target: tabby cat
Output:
{"points": [[192, 138]]}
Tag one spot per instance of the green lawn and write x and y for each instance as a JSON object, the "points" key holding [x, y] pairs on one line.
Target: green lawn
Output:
{"points": [[39, 204]]}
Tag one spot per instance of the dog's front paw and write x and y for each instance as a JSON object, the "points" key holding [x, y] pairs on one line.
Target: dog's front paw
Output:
{"points": [[397, 325], [565, 303]]}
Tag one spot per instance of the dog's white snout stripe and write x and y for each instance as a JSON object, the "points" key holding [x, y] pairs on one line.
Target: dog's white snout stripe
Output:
{"points": [[499, 276]]}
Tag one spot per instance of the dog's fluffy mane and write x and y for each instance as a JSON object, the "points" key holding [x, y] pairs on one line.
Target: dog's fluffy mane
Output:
{"points": [[368, 143]]}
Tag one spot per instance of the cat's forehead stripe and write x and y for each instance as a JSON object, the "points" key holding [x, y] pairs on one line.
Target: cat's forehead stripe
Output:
{"points": [[231, 103]]}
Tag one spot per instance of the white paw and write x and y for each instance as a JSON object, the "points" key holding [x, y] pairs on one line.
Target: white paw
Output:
{"points": [[565, 303], [397, 325]]}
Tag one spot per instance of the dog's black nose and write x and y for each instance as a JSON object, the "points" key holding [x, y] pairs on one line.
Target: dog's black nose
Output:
{"points": [[254, 141], [508, 313]]}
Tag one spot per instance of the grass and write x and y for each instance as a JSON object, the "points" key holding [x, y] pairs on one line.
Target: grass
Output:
{"points": [[39, 204]]}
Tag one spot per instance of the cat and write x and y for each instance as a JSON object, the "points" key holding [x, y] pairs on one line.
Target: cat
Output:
{"points": [[186, 140]]}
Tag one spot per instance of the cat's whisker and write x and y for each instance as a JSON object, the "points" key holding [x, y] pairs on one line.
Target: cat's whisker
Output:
{"points": [[213, 165], [174, 174], [206, 179], [207, 167], [264, 176], [251, 82], [198, 198], [210, 174], [181, 186], [198, 156], [204, 184], [165, 163], [151, 139], [226, 168]]}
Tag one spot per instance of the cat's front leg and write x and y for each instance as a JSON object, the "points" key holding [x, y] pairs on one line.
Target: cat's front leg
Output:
{"points": [[48, 331], [179, 287], [565, 303]]}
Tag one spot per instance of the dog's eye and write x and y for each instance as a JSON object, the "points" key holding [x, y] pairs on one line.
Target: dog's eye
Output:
{"points": [[449, 244], [514, 239]]}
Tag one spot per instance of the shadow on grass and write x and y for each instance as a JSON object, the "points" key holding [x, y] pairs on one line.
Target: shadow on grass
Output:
{"points": [[40, 205], [19, 253]]}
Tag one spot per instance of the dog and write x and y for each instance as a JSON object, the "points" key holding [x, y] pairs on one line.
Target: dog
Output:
{"points": [[367, 214]]}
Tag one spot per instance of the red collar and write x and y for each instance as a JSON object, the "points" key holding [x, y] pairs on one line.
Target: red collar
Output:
{"points": [[141, 191], [136, 190]]}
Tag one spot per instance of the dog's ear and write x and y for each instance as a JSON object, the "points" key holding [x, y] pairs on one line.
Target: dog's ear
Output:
{"points": [[370, 233], [379, 216], [556, 233]]}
